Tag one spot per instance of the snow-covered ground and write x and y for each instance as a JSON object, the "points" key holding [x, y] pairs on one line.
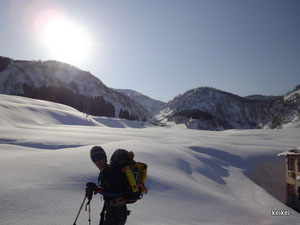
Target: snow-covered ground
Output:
{"points": [[194, 177]]}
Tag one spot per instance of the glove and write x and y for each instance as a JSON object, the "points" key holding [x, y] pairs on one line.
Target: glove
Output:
{"points": [[98, 190], [92, 186], [90, 189]]}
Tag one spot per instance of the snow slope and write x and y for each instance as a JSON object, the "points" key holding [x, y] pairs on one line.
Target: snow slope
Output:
{"points": [[21, 110], [195, 177]]}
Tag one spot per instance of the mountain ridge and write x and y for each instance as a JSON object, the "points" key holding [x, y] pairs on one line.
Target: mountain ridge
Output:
{"points": [[284, 112], [152, 105], [80, 89], [212, 109], [204, 108]]}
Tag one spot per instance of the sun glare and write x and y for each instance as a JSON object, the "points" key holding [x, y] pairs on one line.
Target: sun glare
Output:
{"points": [[66, 41]]}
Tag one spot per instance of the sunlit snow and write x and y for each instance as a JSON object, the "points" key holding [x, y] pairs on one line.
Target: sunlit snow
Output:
{"points": [[194, 177]]}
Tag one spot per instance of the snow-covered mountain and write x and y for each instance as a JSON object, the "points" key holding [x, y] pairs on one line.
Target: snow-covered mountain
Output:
{"points": [[63, 83], [153, 106], [285, 112], [200, 108], [211, 109], [262, 97]]}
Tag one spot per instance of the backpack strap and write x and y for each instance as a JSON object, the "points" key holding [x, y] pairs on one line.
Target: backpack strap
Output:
{"points": [[101, 181]]}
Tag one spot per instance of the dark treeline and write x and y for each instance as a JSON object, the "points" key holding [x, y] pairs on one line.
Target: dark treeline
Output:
{"points": [[95, 106], [125, 114], [4, 62], [195, 114]]}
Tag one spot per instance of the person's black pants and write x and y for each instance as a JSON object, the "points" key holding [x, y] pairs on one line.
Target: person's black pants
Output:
{"points": [[115, 215]]}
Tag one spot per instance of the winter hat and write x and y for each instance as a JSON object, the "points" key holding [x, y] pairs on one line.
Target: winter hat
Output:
{"points": [[97, 153]]}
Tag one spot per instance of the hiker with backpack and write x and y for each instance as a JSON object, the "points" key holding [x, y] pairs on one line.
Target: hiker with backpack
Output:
{"points": [[121, 182]]}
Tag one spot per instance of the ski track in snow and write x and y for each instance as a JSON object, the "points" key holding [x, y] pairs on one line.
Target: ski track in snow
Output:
{"points": [[194, 177]]}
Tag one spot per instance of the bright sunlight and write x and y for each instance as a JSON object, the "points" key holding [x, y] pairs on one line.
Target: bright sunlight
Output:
{"points": [[66, 41]]}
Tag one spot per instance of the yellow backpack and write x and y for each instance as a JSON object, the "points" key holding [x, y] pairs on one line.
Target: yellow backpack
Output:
{"points": [[134, 173]]}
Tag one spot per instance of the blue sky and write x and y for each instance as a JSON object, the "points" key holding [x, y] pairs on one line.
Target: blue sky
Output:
{"points": [[163, 48]]}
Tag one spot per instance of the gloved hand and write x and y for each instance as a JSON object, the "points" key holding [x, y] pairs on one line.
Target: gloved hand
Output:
{"points": [[91, 186], [90, 189], [98, 190]]}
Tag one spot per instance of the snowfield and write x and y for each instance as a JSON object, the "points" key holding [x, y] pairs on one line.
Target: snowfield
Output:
{"points": [[194, 177]]}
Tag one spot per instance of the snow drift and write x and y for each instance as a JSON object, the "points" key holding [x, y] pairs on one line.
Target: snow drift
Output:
{"points": [[195, 177]]}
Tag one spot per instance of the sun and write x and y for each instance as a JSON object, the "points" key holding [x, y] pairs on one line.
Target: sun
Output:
{"points": [[66, 41]]}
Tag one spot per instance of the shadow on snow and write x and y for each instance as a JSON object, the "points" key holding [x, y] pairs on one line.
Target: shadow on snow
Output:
{"points": [[37, 145], [215, 163]]}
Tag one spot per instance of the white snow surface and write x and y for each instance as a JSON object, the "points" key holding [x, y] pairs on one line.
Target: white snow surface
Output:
{"points": [[194, 177], [22, 110], [295, 151]]}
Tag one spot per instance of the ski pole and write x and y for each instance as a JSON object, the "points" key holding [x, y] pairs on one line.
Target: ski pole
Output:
{"points": [[103, 213], [89, 194], [89, 214], [80, 210], [88, 204]]}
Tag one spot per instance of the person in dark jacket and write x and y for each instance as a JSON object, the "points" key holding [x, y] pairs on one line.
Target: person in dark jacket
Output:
{"points": [[111, 186]]}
